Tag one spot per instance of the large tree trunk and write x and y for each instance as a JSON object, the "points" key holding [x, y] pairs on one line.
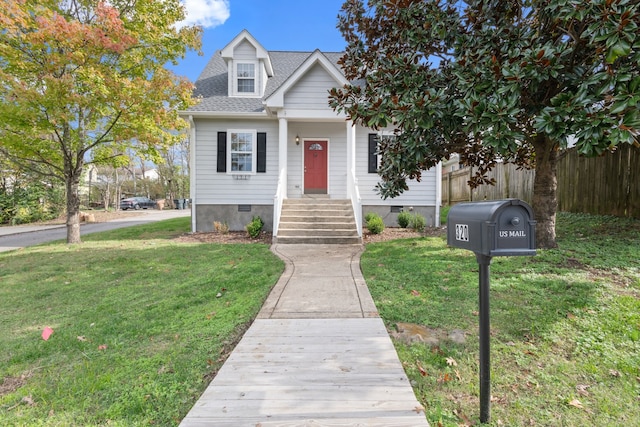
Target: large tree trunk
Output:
{"points": [[545, 186]]}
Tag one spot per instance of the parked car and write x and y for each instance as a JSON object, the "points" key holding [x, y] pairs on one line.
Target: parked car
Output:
{"points": [[137, 203]]}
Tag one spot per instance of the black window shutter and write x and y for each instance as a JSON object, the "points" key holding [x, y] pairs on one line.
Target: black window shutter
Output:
{"points": [[222, 152], [373, 149], [261, 167]]}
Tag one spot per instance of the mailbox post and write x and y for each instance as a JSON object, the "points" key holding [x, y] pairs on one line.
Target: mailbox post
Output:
{"points": [[490, 228]]}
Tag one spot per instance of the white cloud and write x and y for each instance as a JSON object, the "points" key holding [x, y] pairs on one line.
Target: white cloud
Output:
{"points": [[206, 13]]}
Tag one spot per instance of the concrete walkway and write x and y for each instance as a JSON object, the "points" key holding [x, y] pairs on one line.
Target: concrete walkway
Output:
{"points": [[317, 355]]}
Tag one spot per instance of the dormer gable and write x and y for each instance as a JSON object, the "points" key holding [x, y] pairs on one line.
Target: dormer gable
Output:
{"points": [[317, 58], [249, 66]]}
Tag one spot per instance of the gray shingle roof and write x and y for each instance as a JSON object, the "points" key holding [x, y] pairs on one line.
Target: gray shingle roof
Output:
{"points": [[212, 84]]}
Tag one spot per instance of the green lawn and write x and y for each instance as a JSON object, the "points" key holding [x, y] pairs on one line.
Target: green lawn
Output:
{"points": [[140, 324], [565, 325]]}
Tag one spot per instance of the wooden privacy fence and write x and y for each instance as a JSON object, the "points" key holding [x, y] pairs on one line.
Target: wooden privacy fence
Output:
{"points": [[605, 185], [510, 183]]}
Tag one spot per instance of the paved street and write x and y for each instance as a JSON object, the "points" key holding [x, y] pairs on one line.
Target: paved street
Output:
{"points": [[16, 237]]}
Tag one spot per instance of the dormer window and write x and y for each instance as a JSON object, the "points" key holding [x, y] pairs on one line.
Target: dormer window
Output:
{"points": [[249, 66], [246, 75], [246, 81]]}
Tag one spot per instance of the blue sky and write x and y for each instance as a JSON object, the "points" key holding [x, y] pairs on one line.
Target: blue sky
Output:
{"points": [[303, 25]]}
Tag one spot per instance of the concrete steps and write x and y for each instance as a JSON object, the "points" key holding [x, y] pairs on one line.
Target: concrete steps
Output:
{"points": [[317, 221]]}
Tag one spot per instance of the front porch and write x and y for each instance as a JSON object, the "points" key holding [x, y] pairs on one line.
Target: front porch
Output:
{"points": [[294, 183]]}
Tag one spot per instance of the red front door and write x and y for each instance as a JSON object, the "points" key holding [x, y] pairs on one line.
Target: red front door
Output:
{"points": [[315, 167]]}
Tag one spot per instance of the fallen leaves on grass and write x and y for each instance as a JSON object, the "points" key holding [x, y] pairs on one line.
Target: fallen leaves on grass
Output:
{"points": [[463, 417], [582, 389], [423, 371], [576, 404], [444, 378]]}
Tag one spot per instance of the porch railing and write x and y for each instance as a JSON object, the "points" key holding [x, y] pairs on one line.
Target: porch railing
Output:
{"points": [[278, 199], [356, 200]]}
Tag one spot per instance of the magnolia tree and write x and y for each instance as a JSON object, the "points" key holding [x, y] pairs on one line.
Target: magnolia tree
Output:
{"points": [[510, 80], [83, 81]]}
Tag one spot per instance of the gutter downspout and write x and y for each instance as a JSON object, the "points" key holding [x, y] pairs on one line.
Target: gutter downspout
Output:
{"points": [[192, 171]]}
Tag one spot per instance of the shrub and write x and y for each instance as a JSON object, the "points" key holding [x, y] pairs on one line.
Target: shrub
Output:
{"points": [[220, 227], [404, 219], [255, 227], [374, 222], [369, 215], [418, 223], [444, 212]]}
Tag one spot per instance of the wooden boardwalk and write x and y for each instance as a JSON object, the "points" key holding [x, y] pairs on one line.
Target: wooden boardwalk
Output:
{"points": [[310, 372], [317, 355]]}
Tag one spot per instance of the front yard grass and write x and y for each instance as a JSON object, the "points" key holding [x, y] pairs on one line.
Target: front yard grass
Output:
{"points": [[139, 323], [565, 325]]}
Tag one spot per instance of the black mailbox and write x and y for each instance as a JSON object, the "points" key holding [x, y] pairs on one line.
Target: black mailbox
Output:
{"points": [[493, 228]]}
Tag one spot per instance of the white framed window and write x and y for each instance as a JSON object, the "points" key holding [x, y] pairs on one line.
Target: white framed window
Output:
{"points": [[375, 158], [246, 82], [241, 155]]}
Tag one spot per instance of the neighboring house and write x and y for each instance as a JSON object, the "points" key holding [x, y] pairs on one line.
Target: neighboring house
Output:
{"points": [[451, 165], [151, 174], [263, 132]]}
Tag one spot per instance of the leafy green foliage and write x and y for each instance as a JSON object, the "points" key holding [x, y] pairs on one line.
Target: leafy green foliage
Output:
{"points": [[254, 228], [30, 200], [513, 80], [418, 222], [374, 223], [369, 215], [140, 324], [86, 80], [404, 218], [414, 221]]}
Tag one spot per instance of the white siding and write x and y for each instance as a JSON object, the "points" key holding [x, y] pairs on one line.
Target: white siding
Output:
{"points": [[311, 91], [245, 51], [421, 193], [221, 188]]}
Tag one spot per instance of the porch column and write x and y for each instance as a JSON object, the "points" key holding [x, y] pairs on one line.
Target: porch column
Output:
{"points": [[283, 133], [353, 192], [351, 146]]}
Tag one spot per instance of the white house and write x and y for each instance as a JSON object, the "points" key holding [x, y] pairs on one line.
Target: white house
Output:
{"points": [[264, 134]]}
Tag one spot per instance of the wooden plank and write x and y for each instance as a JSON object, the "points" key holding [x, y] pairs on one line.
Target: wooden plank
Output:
{"points": [[330, 392], [318, 327], [303, 408], [316, 358], [297, 372], [390, 421]]}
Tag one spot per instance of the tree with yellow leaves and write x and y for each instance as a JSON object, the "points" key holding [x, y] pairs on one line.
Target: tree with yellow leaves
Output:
{"points": [[83, 81]]}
